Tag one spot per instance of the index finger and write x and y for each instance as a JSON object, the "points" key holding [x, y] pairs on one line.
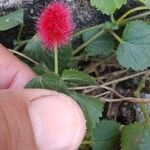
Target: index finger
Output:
{"points": [[14, 74]]}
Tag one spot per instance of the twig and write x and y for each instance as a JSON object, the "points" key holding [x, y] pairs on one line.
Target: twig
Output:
{"points": [[126, 78], [102, 94], [92, 88], [112, 90], [114, 74], [129, 99]]}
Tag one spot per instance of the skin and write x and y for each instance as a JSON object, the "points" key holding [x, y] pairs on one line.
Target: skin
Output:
{"points": [[35, 119]]}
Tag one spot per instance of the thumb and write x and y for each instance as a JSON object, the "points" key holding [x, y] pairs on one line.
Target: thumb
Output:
{"points": [[55, 121]]}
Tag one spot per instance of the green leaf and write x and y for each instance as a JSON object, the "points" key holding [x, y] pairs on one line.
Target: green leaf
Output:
{"points": [[92, 108], [146, 2], [135, 137], [11, 20], [108, 6], [103, 46], [48, 81], [35, 50], [41, 69], [134, 51], [106, 136], [78, 77]]}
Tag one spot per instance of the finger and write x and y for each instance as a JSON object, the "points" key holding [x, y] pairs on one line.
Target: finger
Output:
{"points": [[57, 121], [14, 74], [16, 130], [27, 95]]}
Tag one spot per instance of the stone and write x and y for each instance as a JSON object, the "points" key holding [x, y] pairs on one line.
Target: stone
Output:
{"points": [[13, 3]]}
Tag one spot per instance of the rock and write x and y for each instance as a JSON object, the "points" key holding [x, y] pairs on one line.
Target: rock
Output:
{"points": [[4, 4]]}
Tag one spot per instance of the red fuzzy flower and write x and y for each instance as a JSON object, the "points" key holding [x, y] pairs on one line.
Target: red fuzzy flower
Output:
{"points": [[55, 25]]}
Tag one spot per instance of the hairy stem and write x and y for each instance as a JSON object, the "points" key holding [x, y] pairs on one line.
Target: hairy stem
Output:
{"points": [[21, 44], [137, 16], [86, 142], [88, 42], [56, 59], [130, 12], [88, 29], [20, 32], [24, 56], [112, 18], [116, 36]]}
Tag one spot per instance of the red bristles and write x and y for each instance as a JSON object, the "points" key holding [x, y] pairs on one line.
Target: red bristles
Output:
{"points": [[55, 25]]}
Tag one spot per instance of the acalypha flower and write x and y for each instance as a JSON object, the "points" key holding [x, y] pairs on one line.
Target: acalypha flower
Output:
{"points": [[55, 25]]}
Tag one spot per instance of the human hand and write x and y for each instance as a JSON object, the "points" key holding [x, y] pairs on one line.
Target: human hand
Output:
{"points": [[34, 119]]}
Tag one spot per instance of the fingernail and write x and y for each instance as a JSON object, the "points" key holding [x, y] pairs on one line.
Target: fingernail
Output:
{"points": [[58, 123]]}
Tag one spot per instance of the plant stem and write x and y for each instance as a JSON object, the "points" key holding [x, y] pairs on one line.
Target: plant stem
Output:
{"points": [[88, 29], [19, 33], [24, 56], [116, 36], [112, 18], [96, 36], [138, 95], [80, 57], [21, 44], [130, 12], [137, 16], [56, 59], [86, 142]]}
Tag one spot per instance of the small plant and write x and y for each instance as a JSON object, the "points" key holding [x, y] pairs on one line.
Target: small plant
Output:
{"points": [[54, 27], [125, 40]]}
